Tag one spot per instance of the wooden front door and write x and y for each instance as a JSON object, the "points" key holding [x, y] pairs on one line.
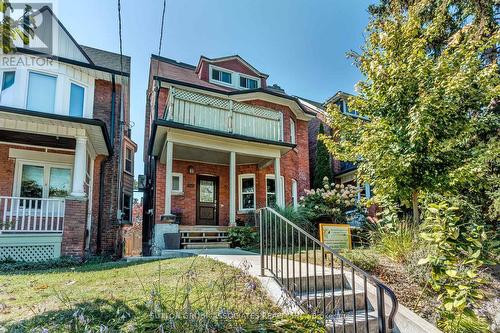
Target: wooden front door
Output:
{"points": [[207, 196]]}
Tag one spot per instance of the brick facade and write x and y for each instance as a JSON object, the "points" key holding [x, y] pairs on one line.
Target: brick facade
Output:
{"points": [[75, 219]]}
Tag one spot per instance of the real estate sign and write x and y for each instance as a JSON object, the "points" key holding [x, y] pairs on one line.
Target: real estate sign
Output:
{"points": [[336, 236]]}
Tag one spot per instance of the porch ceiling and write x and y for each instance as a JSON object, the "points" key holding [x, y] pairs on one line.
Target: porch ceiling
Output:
{"points": [[24, 121], [197, 154]]}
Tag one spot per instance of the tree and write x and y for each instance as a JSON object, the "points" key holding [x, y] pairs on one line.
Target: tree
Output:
{"points": [[431, 94], [11, 29], [323, 167]]}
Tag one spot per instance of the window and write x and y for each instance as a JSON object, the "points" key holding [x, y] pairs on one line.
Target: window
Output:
{"points": [[271, 190], [129, 160], [247, 192], [41, 92], [294, 194], [76, 100], [44, 181], [8, 79], [177, 183], [292, 131], [222, 76], [127, 207], [248, 83]]}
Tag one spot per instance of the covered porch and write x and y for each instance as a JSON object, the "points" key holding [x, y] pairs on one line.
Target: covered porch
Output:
{"points": [[47, 176]]}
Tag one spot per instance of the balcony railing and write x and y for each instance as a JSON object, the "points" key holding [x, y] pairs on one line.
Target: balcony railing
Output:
{"points": [[223, 115], [18, 214]]}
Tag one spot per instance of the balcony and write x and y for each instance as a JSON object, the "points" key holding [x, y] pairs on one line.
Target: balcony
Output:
{"points": [[223, 115], [31, 215]]}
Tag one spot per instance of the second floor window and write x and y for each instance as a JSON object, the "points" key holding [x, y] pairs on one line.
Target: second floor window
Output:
{"points": [[8, 79], [41, 92], [129, 164], [248, 83], [76, 99], [222, 76]]}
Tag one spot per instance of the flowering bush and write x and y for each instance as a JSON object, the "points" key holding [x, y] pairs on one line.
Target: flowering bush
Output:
{"points": [[332, 201]]}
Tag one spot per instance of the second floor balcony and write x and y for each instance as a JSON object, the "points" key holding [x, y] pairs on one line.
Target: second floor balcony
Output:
{"points": [[223, 115]]}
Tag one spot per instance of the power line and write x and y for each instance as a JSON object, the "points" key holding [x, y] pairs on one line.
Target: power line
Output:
{"points": [[120, 35], [161, 35]]}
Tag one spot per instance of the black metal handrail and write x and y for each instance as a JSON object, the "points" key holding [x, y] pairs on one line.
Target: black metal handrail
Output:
{"points": [[279, 238]]}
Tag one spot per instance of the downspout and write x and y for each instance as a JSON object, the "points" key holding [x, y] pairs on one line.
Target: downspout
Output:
{"points": [[119, 198], [101, 169]]}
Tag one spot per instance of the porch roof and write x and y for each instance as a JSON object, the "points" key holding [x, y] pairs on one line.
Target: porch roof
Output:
{"points": [[48, 124]]}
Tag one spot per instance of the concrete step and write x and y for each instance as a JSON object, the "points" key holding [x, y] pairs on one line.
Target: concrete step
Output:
{"points": [[344, 323], [208, 245], [330, 284], [333, 301]]}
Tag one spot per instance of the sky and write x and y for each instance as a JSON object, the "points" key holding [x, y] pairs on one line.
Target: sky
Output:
{"points": [[301, 44]]}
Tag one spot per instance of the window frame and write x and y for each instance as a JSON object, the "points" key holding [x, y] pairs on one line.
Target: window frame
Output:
{"points": [[293, 131], [248, 77], [211, 68], [272, 176], [240, 192], [56, 91], [180, 191], [294, 191], [18, 174], [2, 78], [125, 159], [130, 208], [71, 82]]}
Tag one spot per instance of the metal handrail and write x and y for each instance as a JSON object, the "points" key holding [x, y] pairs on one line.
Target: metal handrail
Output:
{"points": [[269, 242]]}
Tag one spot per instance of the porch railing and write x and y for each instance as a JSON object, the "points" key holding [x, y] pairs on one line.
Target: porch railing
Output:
{"points": [[18, 214], [321, 281]]}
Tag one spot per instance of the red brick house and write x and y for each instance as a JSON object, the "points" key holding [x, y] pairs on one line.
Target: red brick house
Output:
{"points": [[66, 154], [219, 143]]}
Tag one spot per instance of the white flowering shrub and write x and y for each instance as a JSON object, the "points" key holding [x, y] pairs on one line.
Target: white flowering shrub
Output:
{"points": [[331, 201]]}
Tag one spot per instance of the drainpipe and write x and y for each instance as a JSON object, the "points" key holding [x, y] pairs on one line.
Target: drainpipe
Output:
{"points": [[101, 169]]}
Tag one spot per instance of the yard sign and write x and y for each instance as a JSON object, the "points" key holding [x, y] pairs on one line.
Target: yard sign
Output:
{"points": [[336, 236]]}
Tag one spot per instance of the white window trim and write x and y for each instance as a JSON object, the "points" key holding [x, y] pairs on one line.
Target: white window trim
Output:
{"points": [[295, 191], [181, 183], [272, 176], [57, 94], [240, 191], [293, 131], [235, 77], [46, 165], [131, 172], [85, 90]]}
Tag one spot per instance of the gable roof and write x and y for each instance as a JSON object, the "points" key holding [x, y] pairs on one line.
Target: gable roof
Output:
{"points": [[107, 59], [338, 95], [232, 57]]}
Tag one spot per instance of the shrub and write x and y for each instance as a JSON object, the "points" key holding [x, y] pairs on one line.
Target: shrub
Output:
{"points": [[298, 216], [462, 323], [243, 237], [455, 264], [332, 201], [365, 259]]}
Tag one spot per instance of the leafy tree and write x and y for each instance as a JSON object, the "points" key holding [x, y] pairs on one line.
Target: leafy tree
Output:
{"points": [[323, 166], [431, 94], [11, 29]]}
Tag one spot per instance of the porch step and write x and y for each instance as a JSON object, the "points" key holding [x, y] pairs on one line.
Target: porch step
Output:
{"points": [[333, 301], [334, 282], [208, 245], [345, 323]]}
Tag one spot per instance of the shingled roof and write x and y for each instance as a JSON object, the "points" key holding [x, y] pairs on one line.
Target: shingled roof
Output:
{"points": [[107, 59]]}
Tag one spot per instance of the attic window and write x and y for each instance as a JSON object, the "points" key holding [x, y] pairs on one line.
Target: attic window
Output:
{"points": [[221, 76], [248, 83]]}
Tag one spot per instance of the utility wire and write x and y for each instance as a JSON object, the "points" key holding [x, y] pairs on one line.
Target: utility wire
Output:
{"points": [[161, 35], [120, 35]]}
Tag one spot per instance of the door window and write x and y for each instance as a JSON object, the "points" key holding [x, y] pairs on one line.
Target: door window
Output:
{"points": [[207, 190]]}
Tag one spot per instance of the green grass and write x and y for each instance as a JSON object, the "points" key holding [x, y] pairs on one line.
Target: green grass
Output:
{"points": [[121, 296]]}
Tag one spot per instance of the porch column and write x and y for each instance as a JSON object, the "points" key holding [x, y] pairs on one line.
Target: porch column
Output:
{"points": [[232, 189], [277, 182], [80, 164], [168, 180]]}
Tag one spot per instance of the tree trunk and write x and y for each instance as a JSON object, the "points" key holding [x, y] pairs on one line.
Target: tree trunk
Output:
{"points": [[416, 212]]}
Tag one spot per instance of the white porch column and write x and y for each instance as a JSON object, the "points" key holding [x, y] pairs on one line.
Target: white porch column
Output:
{"points": [[232, 189], [168, 180], [277, 183], [80, 164]]}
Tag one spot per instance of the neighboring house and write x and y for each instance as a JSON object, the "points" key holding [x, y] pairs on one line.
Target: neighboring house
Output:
{"points": [[66, 154], [220, 143], [343, 172]]}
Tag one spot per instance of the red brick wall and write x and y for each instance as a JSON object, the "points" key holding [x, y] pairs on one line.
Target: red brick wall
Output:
{"points": [[75, 219]]}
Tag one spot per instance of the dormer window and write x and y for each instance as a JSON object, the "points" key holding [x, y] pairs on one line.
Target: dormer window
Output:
{"points": [[221, 76], [248, 83]]}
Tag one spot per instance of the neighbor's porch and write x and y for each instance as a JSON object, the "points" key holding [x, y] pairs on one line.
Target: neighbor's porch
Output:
{"points": [[46, 178]]}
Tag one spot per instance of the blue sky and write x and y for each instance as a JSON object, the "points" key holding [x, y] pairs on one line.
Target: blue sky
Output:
{"points": [[301, 44]]}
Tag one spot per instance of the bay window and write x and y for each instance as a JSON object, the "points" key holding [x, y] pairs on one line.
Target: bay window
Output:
{"points": [[41, 92], [76, 100]]}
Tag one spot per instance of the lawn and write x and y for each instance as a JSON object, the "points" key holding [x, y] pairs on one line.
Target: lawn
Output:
{"points": [[191, 293]]}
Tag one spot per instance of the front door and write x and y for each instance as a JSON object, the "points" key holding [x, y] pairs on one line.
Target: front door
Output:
{"points": [[207, 195]]}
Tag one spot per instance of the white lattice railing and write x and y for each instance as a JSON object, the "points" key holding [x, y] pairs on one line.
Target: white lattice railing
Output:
{"points": [[19, 214], [224, 115]]}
